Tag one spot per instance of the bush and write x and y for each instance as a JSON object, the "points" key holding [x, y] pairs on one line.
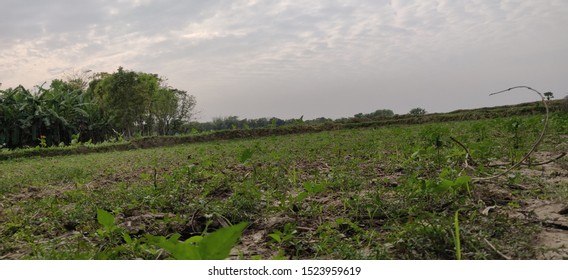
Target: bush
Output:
{"points": [[417, 111]]}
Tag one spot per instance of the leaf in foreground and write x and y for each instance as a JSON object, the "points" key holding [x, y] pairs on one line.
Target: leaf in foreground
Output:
{"points": [[105, 219], [217, 245]]}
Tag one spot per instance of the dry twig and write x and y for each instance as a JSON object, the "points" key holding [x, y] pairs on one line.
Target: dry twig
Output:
{"points": [[534, 146], [468, 156], [496, 251]]}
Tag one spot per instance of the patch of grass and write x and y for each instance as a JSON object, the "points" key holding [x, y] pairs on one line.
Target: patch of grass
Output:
{"points": [[373, 193]]}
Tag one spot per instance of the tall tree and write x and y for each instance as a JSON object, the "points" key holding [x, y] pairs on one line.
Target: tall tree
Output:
{"points": [[125, 96]]}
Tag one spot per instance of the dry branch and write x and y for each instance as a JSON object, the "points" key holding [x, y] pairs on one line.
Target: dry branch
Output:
{"points": [[495, 249], [468, 156], [534, 146]]}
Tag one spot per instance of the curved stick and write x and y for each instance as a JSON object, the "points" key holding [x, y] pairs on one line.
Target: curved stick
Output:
{"points": [[527, 155], [534, 164]]}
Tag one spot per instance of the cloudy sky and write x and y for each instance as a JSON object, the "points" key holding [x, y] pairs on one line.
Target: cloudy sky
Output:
{"points": [[292, 58]]}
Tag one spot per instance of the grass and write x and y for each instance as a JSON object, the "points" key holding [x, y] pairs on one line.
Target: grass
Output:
{"points": [[362, 193]]}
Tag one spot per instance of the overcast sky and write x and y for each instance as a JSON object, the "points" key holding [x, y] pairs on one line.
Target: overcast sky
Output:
{"points": [[292, 58]]}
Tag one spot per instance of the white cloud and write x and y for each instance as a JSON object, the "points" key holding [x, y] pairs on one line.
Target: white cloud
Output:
{"points": [[233, 53]]}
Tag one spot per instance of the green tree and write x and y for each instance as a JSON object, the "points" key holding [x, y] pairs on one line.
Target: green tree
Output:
{"points": [[125, 96], [382, 113], [52, 115], [417, 111], [127, 101], [137, 102], [185, 104]]}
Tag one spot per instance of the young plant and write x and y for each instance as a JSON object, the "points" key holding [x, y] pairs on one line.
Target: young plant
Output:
{"points": [[42, 141], [245, 155], [214, 246], [441, 185], [75, 139], [106, 219], [284, 236], [310, 188]]}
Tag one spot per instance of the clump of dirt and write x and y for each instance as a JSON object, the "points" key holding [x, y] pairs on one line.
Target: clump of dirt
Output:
{"points": [[551, 215], [552, 242]]}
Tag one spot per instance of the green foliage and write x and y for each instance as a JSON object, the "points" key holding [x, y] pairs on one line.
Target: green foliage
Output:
{"points": [[106, 220], [345, 194], [442, 185], [75, 139], [54, 113], [42, 142], [310, 189], [245, 155], [217, 245], [213, 246], [377, 114], [417, 111], [286, 235], [127, 101], [125, 96]]}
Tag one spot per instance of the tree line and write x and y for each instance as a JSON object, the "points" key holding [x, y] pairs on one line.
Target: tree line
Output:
{"points": [[97, 107], [94, 108], [234, 122]]}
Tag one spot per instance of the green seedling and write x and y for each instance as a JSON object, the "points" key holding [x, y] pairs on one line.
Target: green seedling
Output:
{"points": [[106, 219], [245, 155], [286, 235], [442, 185], [214, 246], [310, 188]]}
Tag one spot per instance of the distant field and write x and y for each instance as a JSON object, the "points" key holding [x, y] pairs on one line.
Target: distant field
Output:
{"points": [[361, 193]]}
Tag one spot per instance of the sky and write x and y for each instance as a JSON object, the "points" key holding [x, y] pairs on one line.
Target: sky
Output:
{"points": [[288, 59]]}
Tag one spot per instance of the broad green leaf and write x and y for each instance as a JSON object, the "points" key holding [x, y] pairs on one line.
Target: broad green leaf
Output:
{"points": [[276, 237], [317, 188], [174, 237], [460, 181], [445, 185], [217, 245], [127, 238], [105, 218], [310, 187], [194, 239], [301, 196], [178, 250], [185, 251]]}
